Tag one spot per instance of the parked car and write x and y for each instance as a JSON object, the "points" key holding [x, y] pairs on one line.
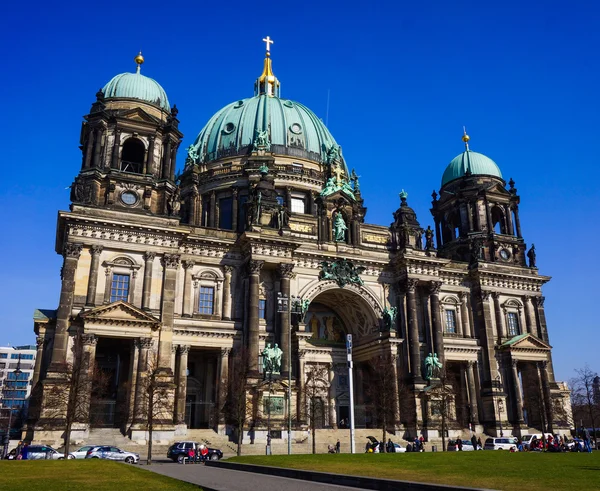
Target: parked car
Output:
{"points": [[180, 450], [44, 452], [399, 448], [112, 453], [501, 443], [82, 452], [467, 446]]}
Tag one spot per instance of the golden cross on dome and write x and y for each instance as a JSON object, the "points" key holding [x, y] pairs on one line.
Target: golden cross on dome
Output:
{"points": [[269, 41]]}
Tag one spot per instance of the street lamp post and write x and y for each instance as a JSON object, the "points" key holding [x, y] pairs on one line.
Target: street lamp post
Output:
{"points": [[16, 373], [500, 408]]}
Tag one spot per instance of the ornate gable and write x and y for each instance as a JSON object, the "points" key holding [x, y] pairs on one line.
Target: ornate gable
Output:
{"points": [[525, 342], [120, 313], [138, 114]]}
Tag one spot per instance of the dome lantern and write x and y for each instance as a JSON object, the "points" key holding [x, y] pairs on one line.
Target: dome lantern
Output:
{"points": [[267, 83]]}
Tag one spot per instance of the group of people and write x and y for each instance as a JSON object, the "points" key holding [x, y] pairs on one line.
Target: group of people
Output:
{"points": [[18, 453], [334, 448], [200, 455]]}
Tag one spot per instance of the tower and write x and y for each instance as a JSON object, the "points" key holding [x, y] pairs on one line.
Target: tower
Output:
{"points": [[129, 143]]}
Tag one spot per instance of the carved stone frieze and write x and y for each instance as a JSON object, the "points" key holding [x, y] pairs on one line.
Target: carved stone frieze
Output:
{"points": [[131, 236]]}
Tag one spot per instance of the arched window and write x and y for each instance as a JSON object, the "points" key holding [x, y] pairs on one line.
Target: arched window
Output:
{"points": [[132, 156], [498, 220]]}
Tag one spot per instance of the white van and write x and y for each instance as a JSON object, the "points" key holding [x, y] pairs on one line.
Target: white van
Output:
{"points": [[501, 443]]}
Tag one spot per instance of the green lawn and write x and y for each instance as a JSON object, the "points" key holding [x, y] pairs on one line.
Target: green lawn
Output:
{"points": [[81, 475], [527, 471]]}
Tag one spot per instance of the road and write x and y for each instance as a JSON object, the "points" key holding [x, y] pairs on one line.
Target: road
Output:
{"points": [[228, 480]]}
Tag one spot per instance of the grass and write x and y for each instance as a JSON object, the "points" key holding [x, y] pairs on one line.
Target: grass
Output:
{"points": [[96, 475], [530, 471]]}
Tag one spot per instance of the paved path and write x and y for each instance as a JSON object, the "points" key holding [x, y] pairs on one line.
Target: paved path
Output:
{"points": [[228, 480]]}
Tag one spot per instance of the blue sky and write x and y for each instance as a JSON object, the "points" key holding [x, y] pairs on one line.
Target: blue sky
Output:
{"points": [[403, 79]]}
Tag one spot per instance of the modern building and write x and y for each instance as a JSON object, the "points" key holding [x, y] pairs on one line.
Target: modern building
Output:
{"points": [[177, 275], [16, 389]]}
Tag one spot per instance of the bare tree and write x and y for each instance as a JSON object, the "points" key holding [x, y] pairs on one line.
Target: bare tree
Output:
{"points": [[315, 391], [70, 398], [442, 399], [382, 393], [585, 402], [157, 396], [238, 409]]}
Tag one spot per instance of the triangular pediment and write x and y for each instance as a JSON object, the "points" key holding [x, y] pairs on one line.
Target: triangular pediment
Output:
{"points": [[120, 312], [138, 114], [526, 342]]}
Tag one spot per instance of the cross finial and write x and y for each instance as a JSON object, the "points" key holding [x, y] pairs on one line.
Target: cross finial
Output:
{"points": [[268, 41]]}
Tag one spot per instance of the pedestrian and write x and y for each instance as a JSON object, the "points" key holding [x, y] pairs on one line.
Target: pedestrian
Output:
{"points": [[390, 446], [337, 446], [459, 444], [422, 443], [203, 453], [18, 450], [24, 451], [479, 443]]}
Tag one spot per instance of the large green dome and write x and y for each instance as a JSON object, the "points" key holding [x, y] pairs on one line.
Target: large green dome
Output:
{"points": [[136, 86], [292, 130], [473, 162]]}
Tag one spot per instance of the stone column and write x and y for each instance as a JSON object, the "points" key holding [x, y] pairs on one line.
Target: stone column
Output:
{"points": [[413, 328], [166, 159], [90, 299], [499, 316], [141, 386], [331, 401], [227, 293], [147, 285], [133, 373], [511, 228], [530, 316], [186, 308], [107, 285], [71, 253], [542, 367], [87, 162], [517, 389], [39, 343], [286, 274], [438, 335], [223, 383], [517, 221], [470, 215], [254, 268], [301, 395], [396, 389], [114, 161], [171, 265], [472, 391], [182, 354], [97, 146], [149, 164], [212, 211], [488, 214], [88, 356]]}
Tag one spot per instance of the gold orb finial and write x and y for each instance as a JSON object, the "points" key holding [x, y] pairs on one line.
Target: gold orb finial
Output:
{"points": [[465, 137], [139, 59]]}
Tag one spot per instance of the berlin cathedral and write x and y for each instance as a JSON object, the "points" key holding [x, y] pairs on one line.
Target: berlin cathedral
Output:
{"points": [[177, 273]]}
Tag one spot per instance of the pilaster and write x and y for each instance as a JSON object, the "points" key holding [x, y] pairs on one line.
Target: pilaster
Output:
{"points": [[95, 251], [254, 268], [147, 285], [285, 273]]}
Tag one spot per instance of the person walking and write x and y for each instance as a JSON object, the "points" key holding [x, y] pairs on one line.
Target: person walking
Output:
{"points": [[337, 446], [474, 442]]}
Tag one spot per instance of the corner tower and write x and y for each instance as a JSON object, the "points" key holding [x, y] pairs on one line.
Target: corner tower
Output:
{"points": [[476, 217], [129, 142]]}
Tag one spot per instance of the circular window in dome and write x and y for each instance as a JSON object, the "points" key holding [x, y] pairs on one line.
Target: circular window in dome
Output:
{"points": [[288, 104], [229, 127], [296, 128], [238, 104], [129, 198]]}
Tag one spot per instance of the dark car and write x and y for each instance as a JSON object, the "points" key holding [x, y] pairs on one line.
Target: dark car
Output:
{"points": [[180, 450]]}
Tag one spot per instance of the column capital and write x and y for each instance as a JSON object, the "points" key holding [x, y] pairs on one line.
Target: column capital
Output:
{"points": [[96, 250], [228, 269], [171, 261], [464, 296], [184, 349], [543, 364], [187, 264], [435, 287], [89, 339], [496, 296], [39, 341], [145, 343], [485, 295], [539, 301], [225, 352], [301, 353], [514, 362], [72, 249], [173, 348], [471, 363], [286, 270], [410, 284], [149, 256], [255, 266]]}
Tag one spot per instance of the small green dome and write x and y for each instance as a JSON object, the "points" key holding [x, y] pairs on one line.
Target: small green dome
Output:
{"points": [[137, 86], [292, 130], [476, 163]]}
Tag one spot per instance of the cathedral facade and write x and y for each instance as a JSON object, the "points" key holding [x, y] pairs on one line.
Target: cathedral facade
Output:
{"points": [[177, 274]]}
